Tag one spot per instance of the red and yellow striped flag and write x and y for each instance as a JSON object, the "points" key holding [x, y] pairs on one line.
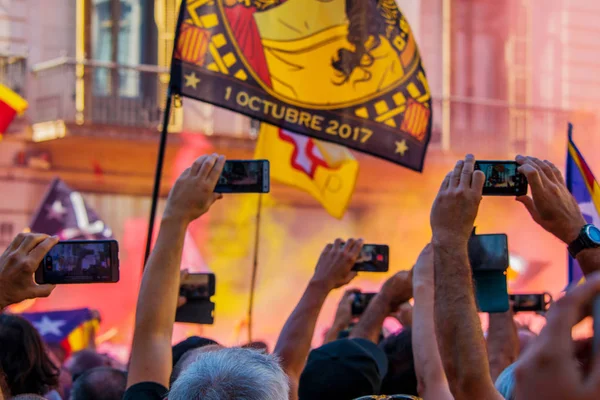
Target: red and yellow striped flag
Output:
{"points": [[11, 104]]}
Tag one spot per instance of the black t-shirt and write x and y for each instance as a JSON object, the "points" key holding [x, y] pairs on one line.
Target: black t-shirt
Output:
{"points": [[146, 391]]}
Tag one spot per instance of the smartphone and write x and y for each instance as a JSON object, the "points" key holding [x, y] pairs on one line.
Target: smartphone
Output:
{"points": [[536, 302], [373, 258], [244, 176], [360, 303], [198, 309], [488, 252], [80, 261], [502, 178], [491, 291], [198, 286]]}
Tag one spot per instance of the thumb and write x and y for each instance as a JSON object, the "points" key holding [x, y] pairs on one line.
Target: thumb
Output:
{"points": [[529, 205], [41, 290]]}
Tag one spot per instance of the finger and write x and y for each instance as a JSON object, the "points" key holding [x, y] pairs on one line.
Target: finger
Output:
{"points": [[455, 179], [14, 245], [446, 181], [544, 168], [207, 166], [355, 248], [558, 178], [533, 176], [217, 170], [39, 252], [41, 290], [529, 205], [328, 248], [183, 275], [338, 243], [467, 171], [181, 300], [478, 181], [520, 159], [30, 241], [198, 164]]}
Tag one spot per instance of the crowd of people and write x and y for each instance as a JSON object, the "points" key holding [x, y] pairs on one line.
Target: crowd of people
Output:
{"points": [[440, 353]]}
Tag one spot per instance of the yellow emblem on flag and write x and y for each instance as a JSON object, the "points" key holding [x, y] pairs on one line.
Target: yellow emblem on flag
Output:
{"points": [[327, 171]]}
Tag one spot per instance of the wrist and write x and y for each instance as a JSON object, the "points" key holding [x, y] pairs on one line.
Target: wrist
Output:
{"points": [[173, 218], [317, 285], [572, 233], [453, 239]]}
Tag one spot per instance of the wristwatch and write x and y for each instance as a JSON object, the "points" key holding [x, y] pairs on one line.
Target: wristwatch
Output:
{"points": [[589, 238]]}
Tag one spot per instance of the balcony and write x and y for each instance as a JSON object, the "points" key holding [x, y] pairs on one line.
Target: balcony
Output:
{"points": [[97, 98]]}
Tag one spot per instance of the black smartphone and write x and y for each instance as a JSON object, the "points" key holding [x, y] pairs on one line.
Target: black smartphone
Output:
{"points": [[80, 261], [373, 258], [244, 176], [197, 290], [488, 252], [502, 178], [360, 303], [536, 302], [488, 255], [198, 286]]}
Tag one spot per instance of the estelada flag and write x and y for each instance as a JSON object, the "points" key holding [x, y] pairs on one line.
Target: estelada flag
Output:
{"points": [[327, 171], [11, 104], [73, 330], [584, 187], [343, 71]]}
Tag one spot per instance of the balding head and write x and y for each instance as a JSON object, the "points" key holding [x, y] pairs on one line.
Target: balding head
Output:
{"points": [[101, 383]]}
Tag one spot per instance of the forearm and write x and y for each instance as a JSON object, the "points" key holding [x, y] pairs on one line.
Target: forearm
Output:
{"points": [[370, 323], [157, 301], [589, 261], [431, 379], [334, 332], [296, 336], [458, 328], [502, 343]]}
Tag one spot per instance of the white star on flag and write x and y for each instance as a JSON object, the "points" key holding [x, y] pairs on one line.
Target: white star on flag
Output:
{"points": [[56, 210], [46, 325], [589, 209]]}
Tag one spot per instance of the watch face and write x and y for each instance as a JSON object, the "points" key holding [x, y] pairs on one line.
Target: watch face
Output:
{"points": [[594, 234]]}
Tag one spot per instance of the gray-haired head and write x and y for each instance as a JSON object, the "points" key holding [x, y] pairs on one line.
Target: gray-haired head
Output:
{"points": [[505, 384], [232, 373]]}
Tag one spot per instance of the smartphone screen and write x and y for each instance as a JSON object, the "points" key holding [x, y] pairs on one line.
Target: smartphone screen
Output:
{"points": [[488, 252], [81, 261], [491, 291], [537, 302], [244, 176], [198, 286], [373, 258], [361, 301], [502, 178]]}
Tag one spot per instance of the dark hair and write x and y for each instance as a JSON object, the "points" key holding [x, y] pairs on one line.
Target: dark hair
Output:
{"points": [[364, 23], [102, 383], [401, 377], [83, 361], [23, 357]]}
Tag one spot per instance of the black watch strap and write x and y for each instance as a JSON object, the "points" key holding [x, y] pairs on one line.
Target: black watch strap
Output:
{"points": [[577, 245]]}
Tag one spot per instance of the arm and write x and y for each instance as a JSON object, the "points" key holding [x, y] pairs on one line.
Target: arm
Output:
{"points": [[502, 342], [191, 196], [432, 382], [333, 270], [343, 316], [395, 291], [458, 328], [554, 208]]}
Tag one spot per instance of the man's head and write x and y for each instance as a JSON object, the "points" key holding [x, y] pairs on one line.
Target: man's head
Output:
{"points": [[401, 377], [102, 383], [231, 373], [85, 360], [23, 358]]}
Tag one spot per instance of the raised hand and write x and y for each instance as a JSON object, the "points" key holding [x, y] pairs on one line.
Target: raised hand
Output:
{"points": [[193, 192], [552, 206], [334, 268], [549, 369], [343, 315], [18, 264], [457, 203]]}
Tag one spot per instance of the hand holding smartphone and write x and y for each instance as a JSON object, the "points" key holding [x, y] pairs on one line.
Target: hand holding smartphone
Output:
{"points": [[360, 303], [80, 261], [244, 176], [534, 302], [197, 290], [502, 178]]}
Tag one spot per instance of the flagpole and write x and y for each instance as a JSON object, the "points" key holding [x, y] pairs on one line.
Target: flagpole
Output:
{"points": [[158, 174], [254, 267]]}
